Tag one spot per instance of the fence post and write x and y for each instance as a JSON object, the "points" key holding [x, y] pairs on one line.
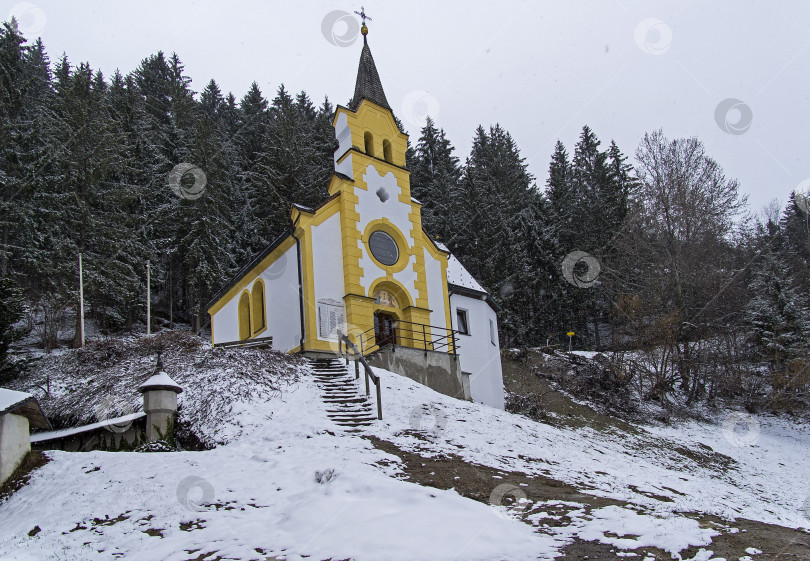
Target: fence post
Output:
{"points": [[357, 369], [379, 401], [366, 372]]}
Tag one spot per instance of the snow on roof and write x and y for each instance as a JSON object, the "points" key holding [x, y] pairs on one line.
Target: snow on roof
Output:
{"points": [[160, 381], [458, 275], [441, 246], [62, 433], [25, 405], [10, 398]]}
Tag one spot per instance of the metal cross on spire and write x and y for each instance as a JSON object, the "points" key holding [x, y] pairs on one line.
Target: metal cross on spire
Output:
{"points": [[362, 14]]}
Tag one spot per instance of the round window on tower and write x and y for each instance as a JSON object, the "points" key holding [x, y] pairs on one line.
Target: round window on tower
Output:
{"points": [[383, 248]]}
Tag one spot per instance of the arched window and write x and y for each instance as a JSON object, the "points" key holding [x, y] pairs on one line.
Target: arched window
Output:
{"points": [[369, 138], [257, 301], [387, 151], [244, 316]]}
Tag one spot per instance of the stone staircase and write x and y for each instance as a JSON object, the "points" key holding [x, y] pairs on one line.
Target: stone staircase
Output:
{"points": [[346, 404]]}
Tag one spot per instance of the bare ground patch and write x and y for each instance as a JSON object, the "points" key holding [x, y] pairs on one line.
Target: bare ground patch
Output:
{"points": [[552, 502]]}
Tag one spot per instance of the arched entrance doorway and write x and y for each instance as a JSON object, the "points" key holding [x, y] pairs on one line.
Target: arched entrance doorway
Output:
{"points": [[384, 329], [389, 300]]}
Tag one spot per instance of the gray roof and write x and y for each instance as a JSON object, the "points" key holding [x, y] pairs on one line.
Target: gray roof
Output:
{"points": [[368, 85], [24, 405]]}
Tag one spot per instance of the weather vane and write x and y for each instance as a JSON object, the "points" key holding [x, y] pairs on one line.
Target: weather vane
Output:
{"points": [[362, 14]]}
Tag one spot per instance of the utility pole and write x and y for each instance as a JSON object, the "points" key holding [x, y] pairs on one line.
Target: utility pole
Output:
{"points": [[171, 312], [148, 300], [81, 300]]}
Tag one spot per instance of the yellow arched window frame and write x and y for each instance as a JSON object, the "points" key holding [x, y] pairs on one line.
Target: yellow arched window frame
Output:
{"points": [[368, 140], [258, 307], [388, 155], [243, 311]]}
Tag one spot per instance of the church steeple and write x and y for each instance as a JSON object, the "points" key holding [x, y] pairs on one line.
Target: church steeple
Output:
{"points": [[368, 85]]}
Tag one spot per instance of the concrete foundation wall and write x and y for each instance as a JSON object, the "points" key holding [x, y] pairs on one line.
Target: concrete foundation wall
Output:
{"points": [[14, 443], [438, 371]]}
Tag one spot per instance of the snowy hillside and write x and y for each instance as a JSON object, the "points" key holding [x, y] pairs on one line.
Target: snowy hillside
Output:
{"points": [[292, 485]]}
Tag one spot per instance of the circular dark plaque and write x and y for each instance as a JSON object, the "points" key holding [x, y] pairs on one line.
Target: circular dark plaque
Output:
{"points": [[383, 248]]}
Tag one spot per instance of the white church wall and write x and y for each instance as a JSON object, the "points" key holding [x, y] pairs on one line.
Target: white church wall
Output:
{"points": [[382, 200], [282, 301], [435, 290], [479, 356], [282, 306], [226, 322], [345, 167], [343, 134], [327, 262]]}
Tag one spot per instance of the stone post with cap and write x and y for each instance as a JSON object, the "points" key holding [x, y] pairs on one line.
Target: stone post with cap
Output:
{"points": [[159, 403]]}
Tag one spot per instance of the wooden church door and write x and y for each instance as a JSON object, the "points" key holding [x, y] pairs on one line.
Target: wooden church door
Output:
{"points": [[384, 331]]}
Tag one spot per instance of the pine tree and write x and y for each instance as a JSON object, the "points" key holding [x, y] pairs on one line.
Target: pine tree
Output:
{"points": [[435, 174], [202, 241], [778, 312], [26, 147], [12, 307]]}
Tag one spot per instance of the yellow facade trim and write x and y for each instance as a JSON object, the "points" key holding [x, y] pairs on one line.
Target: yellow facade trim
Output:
{"points": [[388, 141], [253, 322], [251, 275], [244, 319], [404, 248]]}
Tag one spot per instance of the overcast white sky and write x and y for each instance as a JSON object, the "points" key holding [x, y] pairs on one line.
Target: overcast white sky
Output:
{"points": [[540, 69]]}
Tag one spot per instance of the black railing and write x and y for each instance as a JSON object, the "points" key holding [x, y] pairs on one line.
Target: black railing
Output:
{"points": [[352, 353], [409, 334]]}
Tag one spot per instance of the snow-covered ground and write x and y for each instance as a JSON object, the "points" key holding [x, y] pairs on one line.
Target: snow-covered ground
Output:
{"points": [[292, 484], [759, 475]]}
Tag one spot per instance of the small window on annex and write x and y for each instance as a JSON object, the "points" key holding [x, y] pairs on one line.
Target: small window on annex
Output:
{"points": [[462, 323], [492, 338]]}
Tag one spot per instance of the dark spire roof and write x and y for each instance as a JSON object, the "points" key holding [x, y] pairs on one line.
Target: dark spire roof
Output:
{"points": [[368, 84]]}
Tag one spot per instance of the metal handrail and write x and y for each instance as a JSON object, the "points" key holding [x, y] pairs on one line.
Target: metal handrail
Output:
{"points": [[445, 339], [359, 359]]}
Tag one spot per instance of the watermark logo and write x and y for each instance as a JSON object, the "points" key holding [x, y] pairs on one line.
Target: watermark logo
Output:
{"points": [[741, 429], [581, 269], [31, 19], [182, 186], [110, 409], [353, 332], [428, 418], [277, 268], [417, 106], [340, 28], [653, 36], [507, 289], [802, 196], [508, 501], [733, 116], [195, 493]]}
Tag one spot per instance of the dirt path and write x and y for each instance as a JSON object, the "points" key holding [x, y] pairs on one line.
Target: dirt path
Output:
{"points": [[551, 504]]}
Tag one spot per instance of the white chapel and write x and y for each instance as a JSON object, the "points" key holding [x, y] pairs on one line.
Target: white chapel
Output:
{"points": [[360, 262]]}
